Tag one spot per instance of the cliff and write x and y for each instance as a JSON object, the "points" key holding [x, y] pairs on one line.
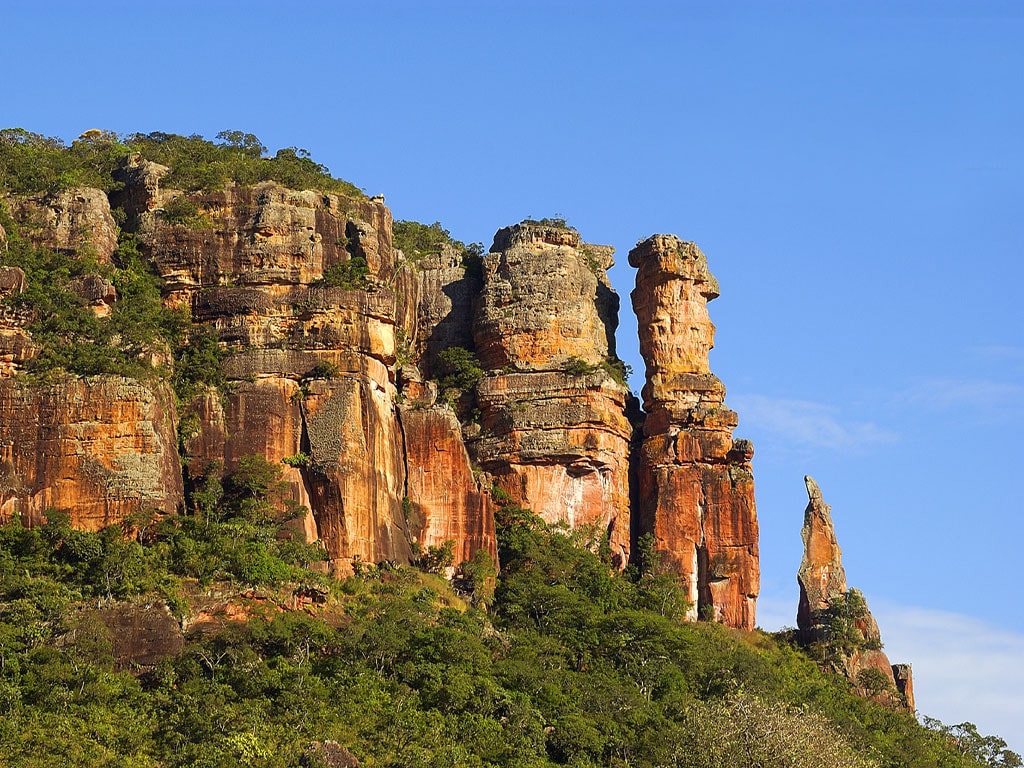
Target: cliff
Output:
{"points": [[399, 395]]}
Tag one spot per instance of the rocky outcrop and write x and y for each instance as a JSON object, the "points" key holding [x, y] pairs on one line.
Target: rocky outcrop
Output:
{"points": [[76, 221], [141, 635], [311, 351], [695, 485], [554, 432], [834, 621], [328, 340], [99, 448]]}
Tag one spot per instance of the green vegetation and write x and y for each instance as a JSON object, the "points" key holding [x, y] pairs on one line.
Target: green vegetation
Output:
{"points": [[613, 366], [186, 213], [70, 335], [558, 222], [459, 369], [31, 163], [350, 275], [417, 240], [572, 664]]}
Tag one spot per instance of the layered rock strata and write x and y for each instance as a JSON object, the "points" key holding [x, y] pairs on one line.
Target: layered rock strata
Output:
{"points": [[695, 489], [554, 433], [329, 340], [310, 361], [835, 619]]}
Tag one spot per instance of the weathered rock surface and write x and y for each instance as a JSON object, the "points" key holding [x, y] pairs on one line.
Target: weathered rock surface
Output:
{"points": [[695, 485], [821, 576], [445, 294], [554, 431], [314, 344], [835, 619], [140, 635], [445, 500], [15, 342], [99, 448], [75, 221], [310, 365]]}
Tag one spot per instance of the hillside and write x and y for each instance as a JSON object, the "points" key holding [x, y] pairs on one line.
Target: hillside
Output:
{"points": [[279, 471]]}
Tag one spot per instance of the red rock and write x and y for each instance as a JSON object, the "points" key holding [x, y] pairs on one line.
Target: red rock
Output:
{"points": [[99, 448], [445, 499], [695, 484], [835, 621]]}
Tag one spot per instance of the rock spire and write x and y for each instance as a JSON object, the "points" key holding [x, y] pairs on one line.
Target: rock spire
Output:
{"points": [[695, 484], [834, 621]]}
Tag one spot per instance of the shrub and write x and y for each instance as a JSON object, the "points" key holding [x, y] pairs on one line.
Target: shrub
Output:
{"points": [[350, 275], [459, 369]]}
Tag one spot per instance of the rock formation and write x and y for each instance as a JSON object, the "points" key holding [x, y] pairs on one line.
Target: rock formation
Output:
{"points": [[695, 487], [554, 431], [834, 621], [77, 221], [310, 359], [100, 448], [326, 345]]}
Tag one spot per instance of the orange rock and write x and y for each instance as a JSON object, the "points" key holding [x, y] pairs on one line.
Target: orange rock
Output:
{"points": [[835, 619], [695, 485], [99, 448], [445, 500], [554, 431]]}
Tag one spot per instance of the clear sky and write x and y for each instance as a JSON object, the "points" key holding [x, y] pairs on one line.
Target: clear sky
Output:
{"points": [[854, 172]]}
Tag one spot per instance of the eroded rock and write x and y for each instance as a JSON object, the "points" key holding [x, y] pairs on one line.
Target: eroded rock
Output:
{"points": [[695, 482], [834, 620], [554, 431]]}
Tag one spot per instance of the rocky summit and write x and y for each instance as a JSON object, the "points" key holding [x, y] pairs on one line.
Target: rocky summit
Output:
{"points": [[408, 391]]}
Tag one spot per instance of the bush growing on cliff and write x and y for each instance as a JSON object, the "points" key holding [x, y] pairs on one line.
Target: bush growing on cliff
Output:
{"points": [[31, 163], [350, 275], [458, 368]]}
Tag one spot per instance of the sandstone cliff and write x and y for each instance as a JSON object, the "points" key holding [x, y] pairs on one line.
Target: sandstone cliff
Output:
{"points": [[834, 620], [695, 486], [309, 363], [324, 345]]}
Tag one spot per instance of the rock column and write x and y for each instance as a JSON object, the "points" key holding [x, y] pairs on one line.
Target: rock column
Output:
{"points": [[695, 486], [554, 431]]}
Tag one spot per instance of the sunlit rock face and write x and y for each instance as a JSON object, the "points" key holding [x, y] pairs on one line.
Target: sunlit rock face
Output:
{"points": [[101, 449], [695, 488], [554, 431], [834, 620], [76, 221], [309, 365]]}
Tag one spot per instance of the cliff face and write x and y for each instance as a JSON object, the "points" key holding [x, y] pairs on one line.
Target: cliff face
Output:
{"points": [[836, 619], [309, 365], [695, 486], [99, 448], [328, 347], [554, 431]]}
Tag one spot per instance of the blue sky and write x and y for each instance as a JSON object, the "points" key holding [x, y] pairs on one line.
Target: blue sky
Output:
{"points": [[854, 173]]}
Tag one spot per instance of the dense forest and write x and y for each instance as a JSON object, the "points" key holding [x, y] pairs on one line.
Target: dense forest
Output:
{"points": [[555, 659]]}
